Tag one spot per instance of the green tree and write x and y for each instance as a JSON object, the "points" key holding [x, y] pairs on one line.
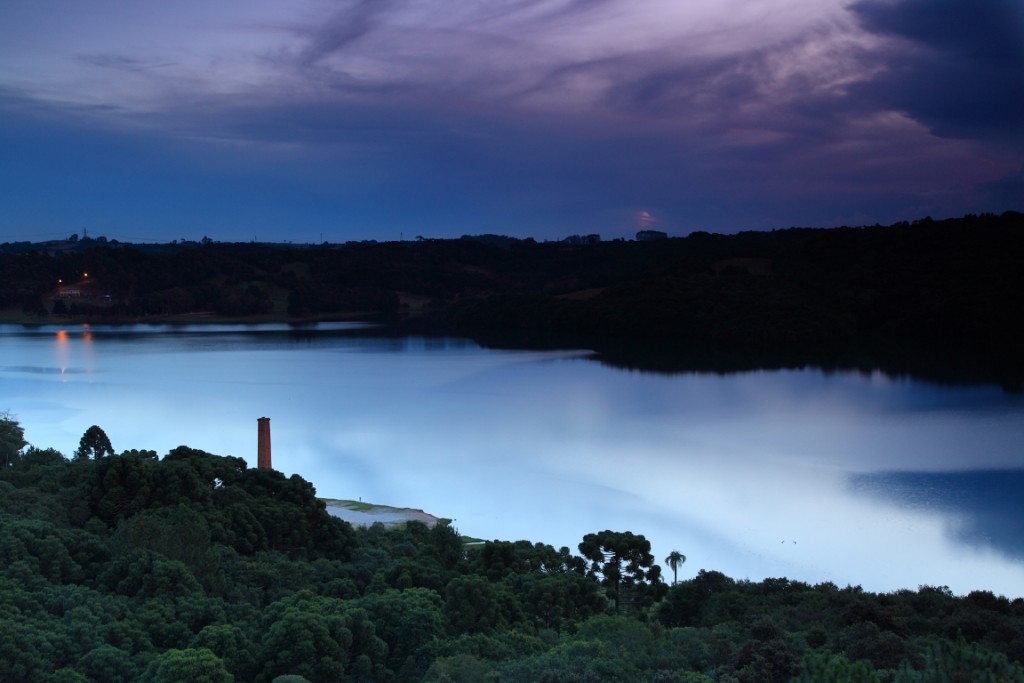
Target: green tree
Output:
{"points": [[108, 664], [40, 546], [321, 638], [67, 675], [475, 605], [94, 444], [674, 559], [230, 643], [623, 563], [34, 457], [178, 533], [25, 651], [147, 574], [306, 644], [558, 601], [686, 602], [12, 439], [120, 486], [823, 668], [458, 669], [447, 545], [963, 662], [406, 620], [499, 559], [196, 665]]}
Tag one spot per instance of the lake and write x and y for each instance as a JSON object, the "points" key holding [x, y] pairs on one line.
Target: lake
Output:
{"points": [[854, 478]]}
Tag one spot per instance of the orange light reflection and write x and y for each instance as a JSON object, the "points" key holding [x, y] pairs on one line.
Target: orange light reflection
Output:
{"points": [[63, 350]]}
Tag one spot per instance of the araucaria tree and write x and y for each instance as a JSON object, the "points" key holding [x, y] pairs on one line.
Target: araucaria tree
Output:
{"points": [[623, 563], [94, 444]]}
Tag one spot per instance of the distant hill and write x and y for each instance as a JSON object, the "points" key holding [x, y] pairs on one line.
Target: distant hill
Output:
{"points": [[912, 289]]}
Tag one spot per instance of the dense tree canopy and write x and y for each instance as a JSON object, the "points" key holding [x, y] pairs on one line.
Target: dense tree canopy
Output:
{"points": [[132, 567]]}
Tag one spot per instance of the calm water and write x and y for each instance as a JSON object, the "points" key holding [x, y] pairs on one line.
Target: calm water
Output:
{"points": [[841, 477]]}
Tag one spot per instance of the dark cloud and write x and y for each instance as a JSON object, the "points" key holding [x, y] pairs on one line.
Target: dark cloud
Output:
{"points": [[122, 62], [989, 30], [537, 11], [694, 86], [344, 28], [532, 117], [958, 65], [753, 119]]}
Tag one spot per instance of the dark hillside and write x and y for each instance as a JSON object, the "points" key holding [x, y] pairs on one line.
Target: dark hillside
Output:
{"points": [[191, 567], [950, 289]]}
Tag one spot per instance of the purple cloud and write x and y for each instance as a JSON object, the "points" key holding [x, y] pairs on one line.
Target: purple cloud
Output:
{"points": [[535, 117], [955, 65]]}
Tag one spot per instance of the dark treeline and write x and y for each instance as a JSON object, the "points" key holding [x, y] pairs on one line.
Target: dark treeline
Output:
{"points": [[192, 567], [939, 297]]}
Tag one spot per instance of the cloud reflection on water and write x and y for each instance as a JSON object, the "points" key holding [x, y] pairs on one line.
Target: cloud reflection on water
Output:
{"points": [[747, 473], [980, 508]]}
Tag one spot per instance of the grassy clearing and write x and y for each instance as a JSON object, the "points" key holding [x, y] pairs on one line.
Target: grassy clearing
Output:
{"points": [[359, 506], [372, 508]]}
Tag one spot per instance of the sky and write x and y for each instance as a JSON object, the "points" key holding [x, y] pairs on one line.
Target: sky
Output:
{"points": [[317, 120]]}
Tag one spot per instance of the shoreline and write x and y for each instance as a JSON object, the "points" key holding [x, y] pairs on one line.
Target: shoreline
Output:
{"points": [[952, 363], [14, 317], [358, 513]]}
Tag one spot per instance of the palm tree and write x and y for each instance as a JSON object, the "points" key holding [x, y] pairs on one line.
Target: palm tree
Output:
{"points": [[674, 559]]}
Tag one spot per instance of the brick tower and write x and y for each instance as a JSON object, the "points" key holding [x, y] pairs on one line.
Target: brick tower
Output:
{"points": [[263, 443]]}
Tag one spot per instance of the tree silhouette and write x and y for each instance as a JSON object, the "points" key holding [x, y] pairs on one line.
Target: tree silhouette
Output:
{"points": [[12, 439], [674, 559], [94, 444], [623, 564]]}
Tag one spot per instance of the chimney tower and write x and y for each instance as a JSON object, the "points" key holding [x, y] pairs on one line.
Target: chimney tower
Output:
{"points": [[263, 443]]}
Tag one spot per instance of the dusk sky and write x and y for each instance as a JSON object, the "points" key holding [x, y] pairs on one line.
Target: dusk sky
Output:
{"points": [[313, 120]]}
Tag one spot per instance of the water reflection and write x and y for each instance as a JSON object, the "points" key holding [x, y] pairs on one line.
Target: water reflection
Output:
{"points": [[748, 473], [73, 352], [982, 509], [39, 370], [63, 350]]}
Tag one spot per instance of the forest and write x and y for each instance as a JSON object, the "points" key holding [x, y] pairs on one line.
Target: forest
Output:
{"points": [[194, 567], [933, 297]]}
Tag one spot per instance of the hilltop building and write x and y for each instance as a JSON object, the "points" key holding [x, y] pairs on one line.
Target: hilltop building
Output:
{"points": [[651, 236]]}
